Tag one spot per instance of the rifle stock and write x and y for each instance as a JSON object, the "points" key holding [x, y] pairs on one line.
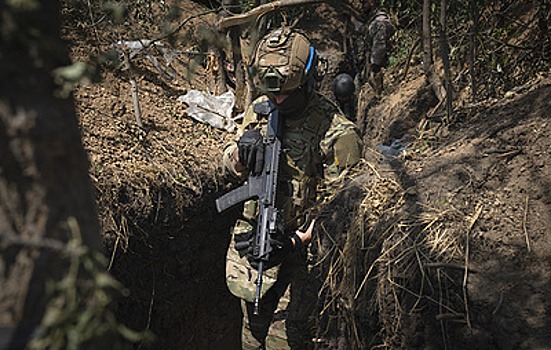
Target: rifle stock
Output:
{"points": [[263, 187]]}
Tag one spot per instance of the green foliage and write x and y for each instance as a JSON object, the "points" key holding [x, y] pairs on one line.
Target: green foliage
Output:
{"points": [[403, 41], [407, 13], [116, 11], [247, 5], [510, 42], [208, 37], [23, 5], [79, 314], [78, 72]]}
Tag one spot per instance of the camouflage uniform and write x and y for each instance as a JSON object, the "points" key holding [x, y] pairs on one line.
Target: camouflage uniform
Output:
{"points": [[317, 145], [376, 41], [379, 32]]}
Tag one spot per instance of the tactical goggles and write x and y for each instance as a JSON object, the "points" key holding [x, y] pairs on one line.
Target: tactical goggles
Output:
{"points": [[272, 81]]}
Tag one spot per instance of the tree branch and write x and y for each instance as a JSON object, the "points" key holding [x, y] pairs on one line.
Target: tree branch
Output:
{"points": [[261, 10]]}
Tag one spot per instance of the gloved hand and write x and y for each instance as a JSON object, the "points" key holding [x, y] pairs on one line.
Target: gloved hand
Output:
{"points": [[281, 247], [251, 151], [244, 244]]}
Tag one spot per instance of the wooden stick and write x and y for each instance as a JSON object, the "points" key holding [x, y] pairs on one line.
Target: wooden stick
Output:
{"points": [[113, 253], [260, 11], [465, 275], [524, 225], [444, 51], [134, 89], [450, 266], [473, 32], [410, 55]]}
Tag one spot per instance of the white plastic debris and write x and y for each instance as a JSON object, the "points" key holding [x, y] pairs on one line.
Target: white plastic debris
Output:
{"points": [[397, 148], [137, 46], [213, 110]]}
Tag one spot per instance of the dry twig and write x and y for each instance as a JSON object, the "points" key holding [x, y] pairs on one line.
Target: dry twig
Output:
{"points": [[524, 219], [465, 275]]}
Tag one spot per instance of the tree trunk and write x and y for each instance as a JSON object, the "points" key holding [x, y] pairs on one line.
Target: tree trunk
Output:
{"points": [[444, 50], [261, 10], [237, 58], [473, 32], [427, 43], [428, 65], [44, 183]]}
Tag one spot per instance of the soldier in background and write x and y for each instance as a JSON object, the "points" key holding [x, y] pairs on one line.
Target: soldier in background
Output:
{"points": [[344, 92], [319, 142], [376, 30]]}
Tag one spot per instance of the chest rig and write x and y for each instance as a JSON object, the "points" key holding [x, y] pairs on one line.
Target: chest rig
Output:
{"points": [[302, 162]]}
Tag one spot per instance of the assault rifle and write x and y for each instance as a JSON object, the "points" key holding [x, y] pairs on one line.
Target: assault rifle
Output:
{"points": [[263, 187]]}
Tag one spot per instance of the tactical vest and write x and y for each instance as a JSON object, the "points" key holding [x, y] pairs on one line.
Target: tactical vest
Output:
{"points": [[315, 145], [304, 143]]}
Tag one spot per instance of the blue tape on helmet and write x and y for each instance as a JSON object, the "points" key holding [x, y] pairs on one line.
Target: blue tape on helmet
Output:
{"points": [[310, 59]]}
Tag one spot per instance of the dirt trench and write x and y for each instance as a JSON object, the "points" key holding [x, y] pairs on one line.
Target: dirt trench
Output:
{"points": [[156, 186], [174, 270], [477, 216], [446, 245]]}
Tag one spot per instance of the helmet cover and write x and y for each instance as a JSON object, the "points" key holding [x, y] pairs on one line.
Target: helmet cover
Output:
{"points": [[284, 61]]}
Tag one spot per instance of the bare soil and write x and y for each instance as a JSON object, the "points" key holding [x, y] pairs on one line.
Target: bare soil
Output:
{"points": [[472, 197], [489, 177]]}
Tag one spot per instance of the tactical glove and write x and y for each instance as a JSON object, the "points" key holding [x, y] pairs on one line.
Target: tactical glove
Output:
{"points": [[244, 244], [281, 247], [251, 151]]}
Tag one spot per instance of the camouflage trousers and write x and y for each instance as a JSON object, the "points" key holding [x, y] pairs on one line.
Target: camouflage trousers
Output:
{"points": [[284, 320], [376, 82]]}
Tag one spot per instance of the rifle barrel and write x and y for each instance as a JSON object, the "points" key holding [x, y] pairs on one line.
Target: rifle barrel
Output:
{"points": [[256, 310]]}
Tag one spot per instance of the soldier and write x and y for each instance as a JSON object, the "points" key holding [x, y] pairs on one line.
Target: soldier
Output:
{"points": [[344, 93], [318, 143], [376, 36]]}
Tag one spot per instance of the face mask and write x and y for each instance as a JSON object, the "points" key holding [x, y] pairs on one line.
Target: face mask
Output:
{"points": [[297, 100], [293, 105]]}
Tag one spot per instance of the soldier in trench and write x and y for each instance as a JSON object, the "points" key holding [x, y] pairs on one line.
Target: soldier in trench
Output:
{"points": [[318, 143], [344, 93], [374, 47]]}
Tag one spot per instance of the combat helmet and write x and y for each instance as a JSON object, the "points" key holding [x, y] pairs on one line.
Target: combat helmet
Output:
{"points": [[343, 85], [284, 61]]}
